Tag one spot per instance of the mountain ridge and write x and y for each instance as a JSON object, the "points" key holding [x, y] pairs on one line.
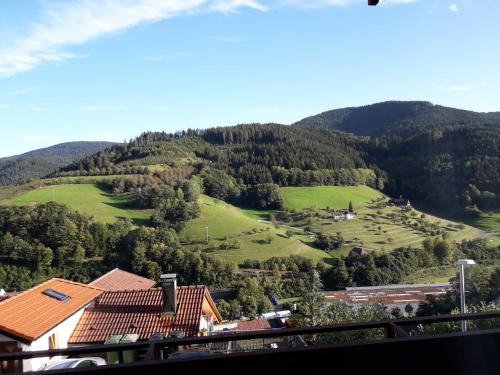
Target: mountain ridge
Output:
{"points": [[38, 163], [403, 118]]}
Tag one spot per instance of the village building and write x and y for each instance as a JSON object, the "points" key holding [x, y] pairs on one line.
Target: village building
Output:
{"points": [[358, 250], [42, 318], [344, 215], [187, 311], [389, 296], [399, 202]]}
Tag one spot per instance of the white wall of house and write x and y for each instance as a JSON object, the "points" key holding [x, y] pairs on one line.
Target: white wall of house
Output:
{"points": [[63, 330]]}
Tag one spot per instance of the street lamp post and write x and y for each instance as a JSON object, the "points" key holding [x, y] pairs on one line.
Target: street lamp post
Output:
{"points": [[462, 263]]}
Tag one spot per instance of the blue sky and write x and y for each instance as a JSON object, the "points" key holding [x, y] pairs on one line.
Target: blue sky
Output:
{"points": [[110, 69]]}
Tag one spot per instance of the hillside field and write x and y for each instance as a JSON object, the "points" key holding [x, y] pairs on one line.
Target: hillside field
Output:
{"points": [[87, 199], [375, 226], [227, 223], [337, 197], [239, 234], [490, 221]]}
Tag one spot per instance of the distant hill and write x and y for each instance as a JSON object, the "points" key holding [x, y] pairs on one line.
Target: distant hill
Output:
{"points": [[403, 118], [39, 163]]}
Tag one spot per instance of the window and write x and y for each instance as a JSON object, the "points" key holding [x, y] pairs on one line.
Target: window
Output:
{"points": [[56, 295]]}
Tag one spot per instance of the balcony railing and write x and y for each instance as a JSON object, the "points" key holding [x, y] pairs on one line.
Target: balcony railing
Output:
{"points": [[392, 347]]}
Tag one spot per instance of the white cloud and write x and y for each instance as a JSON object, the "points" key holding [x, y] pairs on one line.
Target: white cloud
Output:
{"points": [[70, 23], [36, 108], [92, 108], [73, 23], [453, 8], [3, 106], [228, 6]]}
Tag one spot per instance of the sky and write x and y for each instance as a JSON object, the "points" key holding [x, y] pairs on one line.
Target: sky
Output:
{"points": [[110, 69]]}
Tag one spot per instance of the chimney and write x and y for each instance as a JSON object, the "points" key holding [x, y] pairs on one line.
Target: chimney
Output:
{"points": [[168, 283]]}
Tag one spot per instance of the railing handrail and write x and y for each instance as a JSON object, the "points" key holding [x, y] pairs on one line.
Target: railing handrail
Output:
{"points": [[391, 326]]}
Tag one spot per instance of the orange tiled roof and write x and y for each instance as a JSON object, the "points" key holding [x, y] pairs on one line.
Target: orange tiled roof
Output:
{"points": [[140, 312], [30, 314], [118, 279]]}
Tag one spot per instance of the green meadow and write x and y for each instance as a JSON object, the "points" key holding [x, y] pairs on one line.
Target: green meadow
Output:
{"points": [[337, 197], [227, 223], [87, 199]]}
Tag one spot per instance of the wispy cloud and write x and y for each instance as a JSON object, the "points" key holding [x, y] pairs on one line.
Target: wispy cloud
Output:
{"points": [[73, 23], [453, 8], [4, 106], [63, 24], [36, 108], [230, 6], [91, 108]]}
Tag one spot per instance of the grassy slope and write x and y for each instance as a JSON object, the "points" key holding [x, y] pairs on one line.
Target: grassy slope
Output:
{"points": [[87, 199], [223, 219], [322, 196], [363, 230], [488, 222]]}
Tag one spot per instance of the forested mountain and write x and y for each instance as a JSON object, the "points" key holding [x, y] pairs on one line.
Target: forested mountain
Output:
{"points": [[251, 154], [39, 163], [402, 118], [437, 156]]}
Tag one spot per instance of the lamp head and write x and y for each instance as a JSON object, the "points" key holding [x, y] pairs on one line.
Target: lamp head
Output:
{"points": [[465, 262]]}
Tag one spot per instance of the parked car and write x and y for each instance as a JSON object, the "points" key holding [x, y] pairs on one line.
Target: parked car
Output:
{"points": [[73, 363]]}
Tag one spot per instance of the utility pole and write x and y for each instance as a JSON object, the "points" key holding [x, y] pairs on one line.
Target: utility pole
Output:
{"points": [[206, 230]]}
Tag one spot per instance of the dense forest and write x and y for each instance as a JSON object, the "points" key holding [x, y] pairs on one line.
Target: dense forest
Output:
{"points": [[39, 163]]}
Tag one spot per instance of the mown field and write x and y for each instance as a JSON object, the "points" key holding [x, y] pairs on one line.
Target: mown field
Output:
{"points": [[337, 197], [259, 241], [87, 199]]}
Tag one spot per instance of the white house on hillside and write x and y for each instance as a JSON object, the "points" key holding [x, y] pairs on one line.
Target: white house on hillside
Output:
{"points": [[42, 318]]}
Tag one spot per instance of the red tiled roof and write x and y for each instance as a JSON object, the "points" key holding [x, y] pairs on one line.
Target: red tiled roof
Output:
{"points": [[30, 314], [253, 325], [118, 279], [140, 312]]}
